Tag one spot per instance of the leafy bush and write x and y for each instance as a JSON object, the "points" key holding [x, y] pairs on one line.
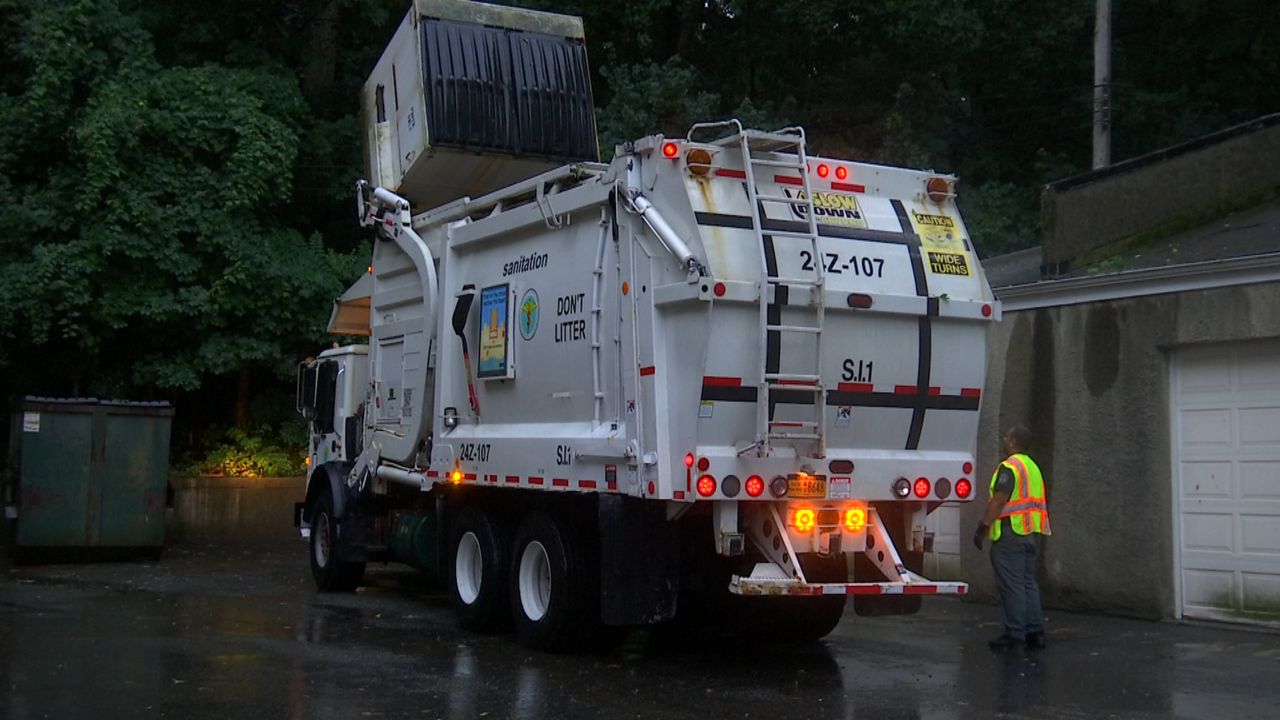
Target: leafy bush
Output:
{"points": [[241, 453]]}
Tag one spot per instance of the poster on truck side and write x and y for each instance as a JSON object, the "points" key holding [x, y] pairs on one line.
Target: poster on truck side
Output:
{"points": [[495, 351]]}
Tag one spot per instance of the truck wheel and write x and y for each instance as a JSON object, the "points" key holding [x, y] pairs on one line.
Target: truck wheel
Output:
{"points": [[795, 619], [478, 568], [554, 593], [330, 574]]}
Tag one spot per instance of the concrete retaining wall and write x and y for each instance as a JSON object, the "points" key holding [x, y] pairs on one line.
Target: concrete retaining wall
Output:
{"points": [[1090, 211], [227, 510], [1092, 381]]}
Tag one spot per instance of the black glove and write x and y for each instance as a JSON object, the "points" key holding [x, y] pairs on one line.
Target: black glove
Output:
{"points": [[980, 534]]}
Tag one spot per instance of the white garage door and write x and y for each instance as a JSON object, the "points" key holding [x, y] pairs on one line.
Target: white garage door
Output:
{"points": [[1226, 444]]}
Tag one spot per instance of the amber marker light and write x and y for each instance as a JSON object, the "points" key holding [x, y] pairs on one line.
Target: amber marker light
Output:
{"points": [[455, 476], [804, 519], [855, 519]]}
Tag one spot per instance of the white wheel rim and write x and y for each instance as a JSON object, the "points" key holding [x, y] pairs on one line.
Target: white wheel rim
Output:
{"points": [[535, 581], [321, 546], [468, 568]]}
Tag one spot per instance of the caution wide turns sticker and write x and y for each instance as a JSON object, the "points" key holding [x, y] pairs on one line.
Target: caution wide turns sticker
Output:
{"points": [[943, 244]]}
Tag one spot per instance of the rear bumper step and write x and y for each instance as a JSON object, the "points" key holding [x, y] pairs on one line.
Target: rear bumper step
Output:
{"points": [[748, 586]]}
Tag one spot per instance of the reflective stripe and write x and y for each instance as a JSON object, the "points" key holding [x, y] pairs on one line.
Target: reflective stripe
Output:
{"points": [[1020, 471]]}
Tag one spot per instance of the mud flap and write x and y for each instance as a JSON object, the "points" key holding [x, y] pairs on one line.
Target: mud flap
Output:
{"points": [[639, 562]]}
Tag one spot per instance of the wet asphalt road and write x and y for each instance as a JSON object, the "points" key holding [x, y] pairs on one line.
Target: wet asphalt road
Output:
{"points": [[239, 633]]}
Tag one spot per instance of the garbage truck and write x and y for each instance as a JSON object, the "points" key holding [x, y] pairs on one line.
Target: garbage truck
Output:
{"points": [[717, 373]]}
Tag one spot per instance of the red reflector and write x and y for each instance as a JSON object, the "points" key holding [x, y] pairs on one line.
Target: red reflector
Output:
{"points": [[841, 173], [703, 464], [823, 170], [986, 311], [858, 300], [688, 460], [968, 468], [670, 150], [706, 486], [755, 486], [963, 488], [921, 488], [841, 466], [719, 289]]}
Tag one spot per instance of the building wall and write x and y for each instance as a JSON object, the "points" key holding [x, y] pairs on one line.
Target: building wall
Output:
{"points": [[1096, 209], [1092, 381]]}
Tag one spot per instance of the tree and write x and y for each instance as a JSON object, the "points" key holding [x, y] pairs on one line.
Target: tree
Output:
{"points": [[150, 246]]}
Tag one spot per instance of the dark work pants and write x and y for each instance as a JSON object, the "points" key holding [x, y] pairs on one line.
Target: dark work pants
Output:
{"points": [[1013, 557]]}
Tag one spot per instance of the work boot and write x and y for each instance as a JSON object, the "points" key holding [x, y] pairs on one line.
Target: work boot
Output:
{"points": [[1035, 640], [1005, 642]]}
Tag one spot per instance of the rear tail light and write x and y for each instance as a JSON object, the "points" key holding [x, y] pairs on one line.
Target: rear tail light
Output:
{"points": [[963, 488], [823, 170], [778, 486], [670, 150], [921, 488], [688, 460], [855, 519], [730, 486], [706, 486], [842, 173], [755, 486], [942, 488], [968, 468], [901, 487], [804, 519], [704, 464]]}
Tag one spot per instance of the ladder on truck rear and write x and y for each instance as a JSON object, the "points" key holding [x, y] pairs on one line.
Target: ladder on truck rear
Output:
{"points": [[783, 151]]}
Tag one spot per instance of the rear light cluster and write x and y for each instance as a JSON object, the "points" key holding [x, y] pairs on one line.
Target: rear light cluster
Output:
{"points": [[730, 486], [941, 488], [698, 161], [824, 171]]}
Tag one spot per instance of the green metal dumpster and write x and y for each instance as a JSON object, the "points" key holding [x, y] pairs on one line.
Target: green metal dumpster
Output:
{"points": [[89, 473]]}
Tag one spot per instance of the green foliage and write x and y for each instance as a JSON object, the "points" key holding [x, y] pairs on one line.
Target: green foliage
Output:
{"points": [[651, 98], [242, 453], [1001, 217], [150, 240]]}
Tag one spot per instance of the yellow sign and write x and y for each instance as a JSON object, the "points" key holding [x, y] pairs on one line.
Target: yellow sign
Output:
{"points": [[938, 232], [948, 263], [830, 208]]}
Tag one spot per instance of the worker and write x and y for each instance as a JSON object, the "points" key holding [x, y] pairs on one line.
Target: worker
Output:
{"points": [[1015, 518]]}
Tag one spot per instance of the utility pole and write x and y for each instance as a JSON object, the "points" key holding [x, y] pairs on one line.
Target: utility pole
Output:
{"points": [[1102, 85]]}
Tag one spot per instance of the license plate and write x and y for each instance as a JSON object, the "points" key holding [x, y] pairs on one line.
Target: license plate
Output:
{"points": [[806, 486]]}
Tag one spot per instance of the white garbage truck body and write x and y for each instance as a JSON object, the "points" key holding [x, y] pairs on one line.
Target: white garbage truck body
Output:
{"points": [[716, 366]]}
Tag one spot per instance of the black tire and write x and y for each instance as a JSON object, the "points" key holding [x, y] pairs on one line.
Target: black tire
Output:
{"points": [[330, 574], [478, 569], [555, 596], [794, 619]]}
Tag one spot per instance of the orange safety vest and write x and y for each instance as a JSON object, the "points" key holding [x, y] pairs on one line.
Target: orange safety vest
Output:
{"points": [[1026, 509]]}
